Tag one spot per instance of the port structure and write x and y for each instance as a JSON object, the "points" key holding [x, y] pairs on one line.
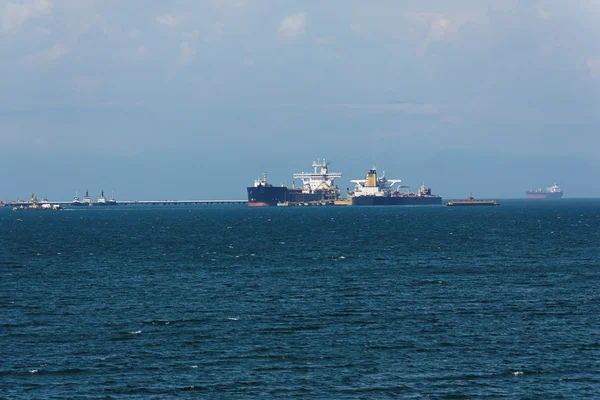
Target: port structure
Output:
{"points": [[138, 202]]}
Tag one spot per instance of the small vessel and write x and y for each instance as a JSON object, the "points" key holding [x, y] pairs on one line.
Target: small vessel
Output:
{"points": [[112, 201], [103, 202], [87, 200], [552, 192], [76, 202], [380, 191], [471, 202]]}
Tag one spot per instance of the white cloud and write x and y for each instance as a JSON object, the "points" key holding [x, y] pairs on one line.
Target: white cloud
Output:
{"points": [[47, 56], [293, 26], [593, 65], [186, 53], [447, 27], [15, 15], [167, 20]]}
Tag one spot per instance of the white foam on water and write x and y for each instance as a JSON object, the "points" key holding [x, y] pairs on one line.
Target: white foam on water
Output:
{"points": [[135, 333], [34, 371], [342, 257], [194, 366], [518, 373], [233, 319]]}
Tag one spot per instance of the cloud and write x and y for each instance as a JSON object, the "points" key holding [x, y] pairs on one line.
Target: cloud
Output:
{"points": [[15, 15], [167, 20], [186, 53], [47, 56], [293, 26], [593, 65], [447, 27]]}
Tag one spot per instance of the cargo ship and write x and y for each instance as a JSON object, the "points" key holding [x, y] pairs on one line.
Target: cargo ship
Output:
{"points": [[553, 192], [263, 194], [471, 202], [380, 191], [317, 186]]}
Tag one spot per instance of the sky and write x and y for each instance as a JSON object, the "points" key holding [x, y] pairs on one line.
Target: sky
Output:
{"points": [[187, 99]]}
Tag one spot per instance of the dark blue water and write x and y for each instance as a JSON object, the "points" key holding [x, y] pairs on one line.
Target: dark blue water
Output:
{"points": [[333, 302]]}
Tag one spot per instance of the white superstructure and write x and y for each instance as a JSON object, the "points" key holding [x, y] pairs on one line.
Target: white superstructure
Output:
{"points": [[374, 186], [261, 181], [554, 189], [320, 180], [101, 198]]}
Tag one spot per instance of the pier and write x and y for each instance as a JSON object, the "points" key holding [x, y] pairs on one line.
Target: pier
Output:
{"points": [[130, 203]]}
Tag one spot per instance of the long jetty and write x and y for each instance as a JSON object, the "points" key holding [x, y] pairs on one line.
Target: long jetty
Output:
{"points": [[131, 203]]}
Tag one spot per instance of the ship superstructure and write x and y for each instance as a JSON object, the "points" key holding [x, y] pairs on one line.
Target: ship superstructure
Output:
{"points": [[87, 200], [320, 180], [374, 186], [552, 192], [101, 199]]}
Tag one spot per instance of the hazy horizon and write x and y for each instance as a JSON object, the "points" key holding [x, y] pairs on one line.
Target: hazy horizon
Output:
{"points": [[194, 100]]}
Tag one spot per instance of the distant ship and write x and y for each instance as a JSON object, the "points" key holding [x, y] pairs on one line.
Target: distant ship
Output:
{"points": [[76, 202], [87, 199], [318, 186], [471, 202], [380, 191], [553, 192], [263, 194], [103, 202]]}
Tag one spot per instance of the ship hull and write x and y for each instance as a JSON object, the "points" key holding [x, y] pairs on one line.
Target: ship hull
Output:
{"points": [[543, 196], [472, 204], [397, 201], [266, 196], [297, 196]]}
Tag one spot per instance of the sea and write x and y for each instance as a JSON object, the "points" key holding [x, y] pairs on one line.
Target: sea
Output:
{"points": [[230, 302]]}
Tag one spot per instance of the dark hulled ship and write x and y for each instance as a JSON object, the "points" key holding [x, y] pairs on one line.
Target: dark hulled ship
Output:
{"points": [[263, 194], [380, 191], [317, 186]]}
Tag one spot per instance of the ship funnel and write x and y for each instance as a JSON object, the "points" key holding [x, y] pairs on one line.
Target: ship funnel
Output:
{"points": [[372, 178]]}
